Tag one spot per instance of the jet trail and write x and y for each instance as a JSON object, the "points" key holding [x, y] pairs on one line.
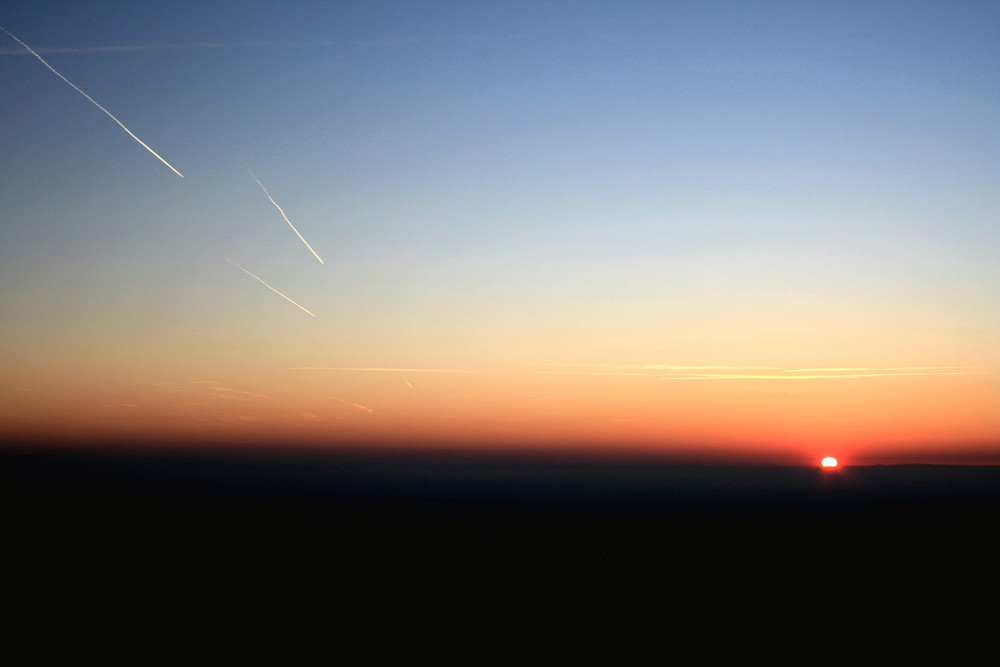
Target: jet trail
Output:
{"points": [[32, 52], [286, 218], [269, 287]]}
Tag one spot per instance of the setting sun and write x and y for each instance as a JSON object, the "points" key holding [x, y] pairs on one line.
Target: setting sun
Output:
{"points": [[829, 462]]}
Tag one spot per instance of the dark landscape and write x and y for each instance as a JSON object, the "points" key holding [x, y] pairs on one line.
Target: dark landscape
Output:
{"points": [[169, 512]]}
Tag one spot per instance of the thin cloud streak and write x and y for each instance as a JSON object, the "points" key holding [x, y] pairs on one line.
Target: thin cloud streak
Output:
{"points": [[669, 367], [120, 124], [269, 287], [776, 373], [204, 414], [780, 374], [664, 367], [888, 368], [210, 389], [126, 48], [853, 376], [599, 374], [377, 370], [356, 406], [234, 394], [86, 50], [649, 370], [286, 218]]}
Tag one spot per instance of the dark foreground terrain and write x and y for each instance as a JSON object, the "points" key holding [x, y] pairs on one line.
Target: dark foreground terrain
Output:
{"points": [[162, 514], [335, 530], [166, 549]]}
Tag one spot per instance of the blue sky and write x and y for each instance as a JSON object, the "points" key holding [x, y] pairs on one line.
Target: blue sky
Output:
{"points": [[502, 183]]}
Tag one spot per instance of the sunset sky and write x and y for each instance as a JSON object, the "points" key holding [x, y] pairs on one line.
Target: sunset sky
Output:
{"points": [[761, 231]]}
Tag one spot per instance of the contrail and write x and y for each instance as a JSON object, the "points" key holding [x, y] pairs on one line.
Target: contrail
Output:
{"points": [[286, 218], [30, 50], [269, 287]]}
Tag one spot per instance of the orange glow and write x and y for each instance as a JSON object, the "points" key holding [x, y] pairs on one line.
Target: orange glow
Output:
{"points": [[268, 402]]}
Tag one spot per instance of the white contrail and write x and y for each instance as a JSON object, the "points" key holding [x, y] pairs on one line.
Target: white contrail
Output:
{"points": [[94, 102], [269, 287], [286, 218]]}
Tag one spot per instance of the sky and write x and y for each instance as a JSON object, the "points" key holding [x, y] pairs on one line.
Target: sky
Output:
{"points": [[754, 231]]}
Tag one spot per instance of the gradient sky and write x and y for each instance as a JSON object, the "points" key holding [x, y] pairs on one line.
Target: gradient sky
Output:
{"points": [[760, 229]]}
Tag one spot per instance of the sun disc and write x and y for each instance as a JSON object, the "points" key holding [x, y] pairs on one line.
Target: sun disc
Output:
{"points": [[829, 462]]}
